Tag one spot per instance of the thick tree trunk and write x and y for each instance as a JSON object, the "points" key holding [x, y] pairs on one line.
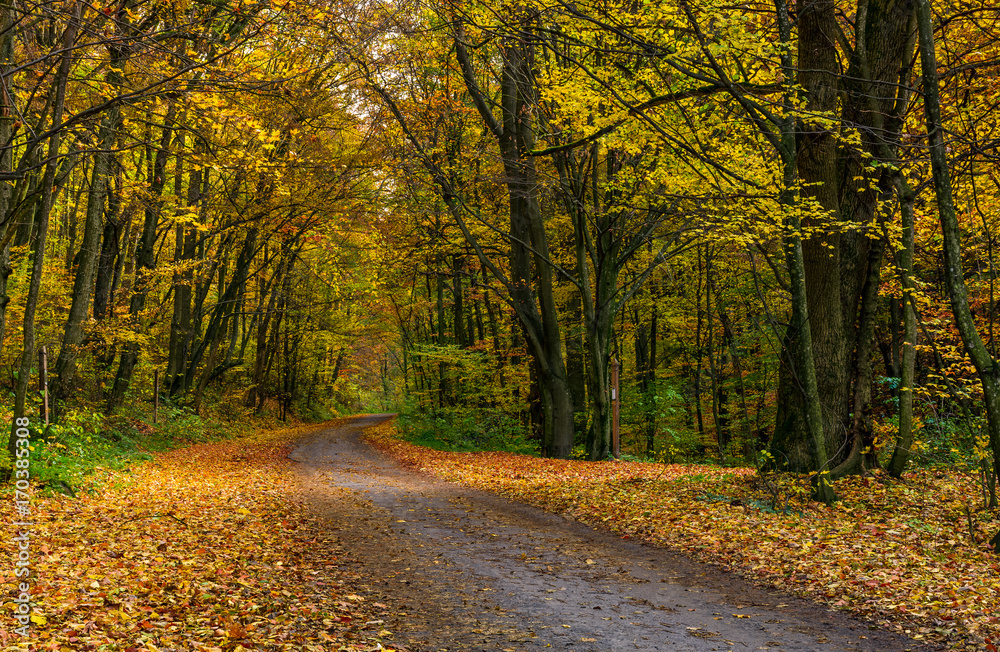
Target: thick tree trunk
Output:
{"points": [[802, 355], [840, 186], [530, 281], [531, 271], [818, 73], [800, 352], [860, 454]]}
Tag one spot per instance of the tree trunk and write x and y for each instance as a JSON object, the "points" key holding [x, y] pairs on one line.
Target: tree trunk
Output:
{"points": [[839, 186], [860, 454], [144, 260], [816, 158], [44, 210], [5, 271], [696, 380], [800, 352], [986, 366], [107, 261], [224, 307], [185, 250], [255, 396], [7, 20], [462, 339], [729, 337], [576, 371], [64, 371], [904, 438]]}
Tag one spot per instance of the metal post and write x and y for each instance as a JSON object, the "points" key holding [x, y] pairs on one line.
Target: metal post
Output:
{"points": [[616, 448], [43, 383], [156, 392]]}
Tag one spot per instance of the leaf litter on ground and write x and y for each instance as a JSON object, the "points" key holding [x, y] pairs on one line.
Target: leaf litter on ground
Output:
{"points": [[908, 555], [204, 548]]}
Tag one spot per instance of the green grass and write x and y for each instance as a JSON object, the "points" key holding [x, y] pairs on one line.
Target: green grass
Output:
{"points": [[75, 454]]}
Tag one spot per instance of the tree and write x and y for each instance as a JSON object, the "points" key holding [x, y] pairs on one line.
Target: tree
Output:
{"points": [[58, 102], [986, 366]]}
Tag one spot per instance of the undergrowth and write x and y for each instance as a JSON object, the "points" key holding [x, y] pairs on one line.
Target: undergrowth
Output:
{"points": [[78, 453], [460, 429]]}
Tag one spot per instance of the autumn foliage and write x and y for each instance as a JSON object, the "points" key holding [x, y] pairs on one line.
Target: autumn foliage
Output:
{"points": [[203, 548], [472, 214]]}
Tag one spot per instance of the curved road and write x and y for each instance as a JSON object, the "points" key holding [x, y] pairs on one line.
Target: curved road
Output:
{"points": [[467, 570]]}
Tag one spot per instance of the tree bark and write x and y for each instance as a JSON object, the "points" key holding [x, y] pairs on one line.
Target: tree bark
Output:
{"points": [[185, 250], [64, 371], [225, 305], [110, 254], [7, 20], [816, 159], [801, 352], [904, 437], [531, 282], [44, 209], [986, 367], [836, 259], [145, 261]]}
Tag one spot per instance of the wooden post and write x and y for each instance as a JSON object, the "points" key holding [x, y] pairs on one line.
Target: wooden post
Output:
{"points": [[156, 392], [616, 448], [43, 382]]}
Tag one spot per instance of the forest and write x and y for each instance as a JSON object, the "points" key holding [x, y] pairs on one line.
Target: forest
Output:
{"points": [[776, 218], [710, 276]]}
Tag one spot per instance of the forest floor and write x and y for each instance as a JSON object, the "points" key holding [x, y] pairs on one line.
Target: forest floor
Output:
{"points": [[202, 548], [340, 537], [469, 570]]}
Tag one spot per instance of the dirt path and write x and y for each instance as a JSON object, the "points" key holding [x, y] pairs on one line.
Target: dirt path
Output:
{"points": [[466, 570]]}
